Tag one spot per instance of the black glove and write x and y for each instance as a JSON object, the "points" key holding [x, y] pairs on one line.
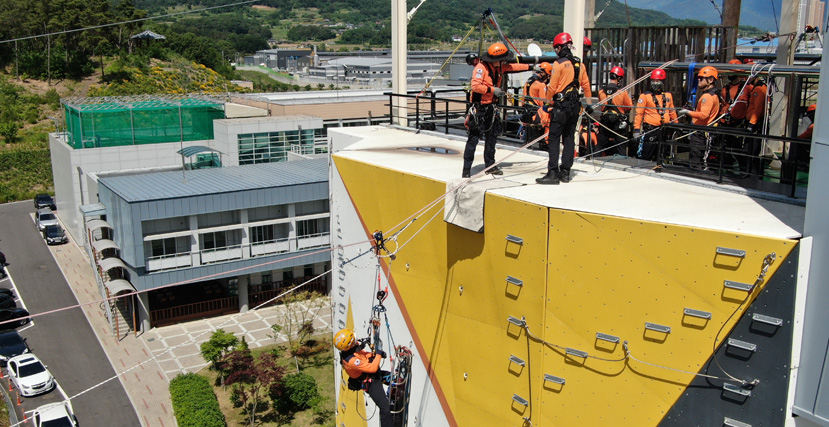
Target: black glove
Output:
{"points": [[589, 109], [362, 343], [381, 353], [750, 128]]}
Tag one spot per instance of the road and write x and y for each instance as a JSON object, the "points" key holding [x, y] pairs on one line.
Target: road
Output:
{"points": [[63, 340]]}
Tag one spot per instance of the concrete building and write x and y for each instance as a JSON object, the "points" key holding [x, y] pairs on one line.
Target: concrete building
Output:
{"points": [[209, 241], [281, 59]]}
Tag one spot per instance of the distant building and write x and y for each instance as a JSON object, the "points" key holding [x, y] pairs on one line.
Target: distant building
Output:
{"points": [[281, 59]]}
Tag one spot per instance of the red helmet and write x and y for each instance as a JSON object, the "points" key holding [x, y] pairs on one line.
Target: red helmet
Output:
{"points": [[811, 108], [658, 74], [618, 71], [562, 39], [587, 43]]}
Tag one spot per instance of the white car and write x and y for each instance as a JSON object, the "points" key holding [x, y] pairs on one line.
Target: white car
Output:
{"points": [[55, 415], [30, 375], [45, 217]]}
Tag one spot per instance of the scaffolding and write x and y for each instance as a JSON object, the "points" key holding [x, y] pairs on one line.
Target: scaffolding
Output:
{"points": [[135, 120]]}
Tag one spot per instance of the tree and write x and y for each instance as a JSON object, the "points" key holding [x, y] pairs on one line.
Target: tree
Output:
{"points": [[297, 392], [296, 319], [253, 379], [217, 348]]}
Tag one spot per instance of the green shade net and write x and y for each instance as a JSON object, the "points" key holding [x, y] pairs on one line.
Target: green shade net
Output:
{"points": [[151, 121]]}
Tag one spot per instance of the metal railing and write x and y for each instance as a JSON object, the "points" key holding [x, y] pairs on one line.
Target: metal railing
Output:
{"points": [[197, 310], [273, 289]]}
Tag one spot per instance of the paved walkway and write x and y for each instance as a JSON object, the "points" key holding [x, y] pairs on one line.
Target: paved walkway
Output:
{"points": [[146, 363]]}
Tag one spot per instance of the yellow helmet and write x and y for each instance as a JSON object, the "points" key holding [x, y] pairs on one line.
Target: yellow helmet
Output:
{"points": [[344, 339]]}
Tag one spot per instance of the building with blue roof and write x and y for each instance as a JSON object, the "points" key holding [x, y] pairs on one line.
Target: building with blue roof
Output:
{"points": [[210, 241]]}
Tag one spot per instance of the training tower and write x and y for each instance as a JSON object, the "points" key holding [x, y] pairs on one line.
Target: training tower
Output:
{"points": [[621, 298]]}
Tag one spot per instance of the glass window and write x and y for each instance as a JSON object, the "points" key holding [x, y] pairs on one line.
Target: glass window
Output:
{"points": [[262, 233]]}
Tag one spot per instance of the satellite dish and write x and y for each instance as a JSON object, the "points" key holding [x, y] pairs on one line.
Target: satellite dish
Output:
{"points": [[534, 49]]}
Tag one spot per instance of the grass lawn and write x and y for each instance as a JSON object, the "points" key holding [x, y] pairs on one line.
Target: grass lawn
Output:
{"points": [[319, 365]]}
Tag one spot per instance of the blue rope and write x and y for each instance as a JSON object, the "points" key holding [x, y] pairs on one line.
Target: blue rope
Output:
{"points": [[692, 84]]}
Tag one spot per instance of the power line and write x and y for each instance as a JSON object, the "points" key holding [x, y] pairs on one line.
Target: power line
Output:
{"points": [[127, 22]]}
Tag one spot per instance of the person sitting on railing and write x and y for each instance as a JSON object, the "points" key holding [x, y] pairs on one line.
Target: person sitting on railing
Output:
{"points": [[482, 118], [654, 108]]}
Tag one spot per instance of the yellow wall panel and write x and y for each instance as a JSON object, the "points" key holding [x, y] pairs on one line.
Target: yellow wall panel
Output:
{"points": [[612, 275]]}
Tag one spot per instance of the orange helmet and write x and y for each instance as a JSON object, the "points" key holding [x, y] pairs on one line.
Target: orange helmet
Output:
{"points": [[546, 67], [497, 52], [708, 71], [658, 74], [344, 339], [811, 108], [619, 71], [562, 39], [735, 61]]}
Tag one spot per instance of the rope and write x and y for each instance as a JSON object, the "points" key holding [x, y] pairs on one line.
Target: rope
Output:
{"points": [[429, 83]]}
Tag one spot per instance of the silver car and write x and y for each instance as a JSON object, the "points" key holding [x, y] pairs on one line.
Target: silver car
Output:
{"points": [[45, 217]]}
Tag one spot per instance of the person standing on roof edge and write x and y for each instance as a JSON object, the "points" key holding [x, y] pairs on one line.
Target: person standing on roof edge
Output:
{"points": [[563, 92], [708, 108], [482, 119], [614, 119], [654, 108], [536, 93], [363, 368]]}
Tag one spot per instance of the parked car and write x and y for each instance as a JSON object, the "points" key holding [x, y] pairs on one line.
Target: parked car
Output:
{"points": [[45, 217], [55, 415], [30, 375], [11, 344], [7, 301], [11, 314], [54, 235], [44, 201], [5, 291]]}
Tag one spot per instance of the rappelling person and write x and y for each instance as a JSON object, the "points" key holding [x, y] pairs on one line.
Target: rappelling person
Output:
{"points": [[735, 96], [363, 369], [563, 92], [614, 119], [482, 119], [708, 108], [536, 94], [654, 108]]}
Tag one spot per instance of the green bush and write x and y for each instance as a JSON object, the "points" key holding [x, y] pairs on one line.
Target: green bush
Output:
{"points": [[194, 402], [297, 393]]}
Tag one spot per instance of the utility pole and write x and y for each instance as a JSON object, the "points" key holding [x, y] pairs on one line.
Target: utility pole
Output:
{"points": [[574, 24], [780, 108], [399, 62], [590, 14], [731, 18]]}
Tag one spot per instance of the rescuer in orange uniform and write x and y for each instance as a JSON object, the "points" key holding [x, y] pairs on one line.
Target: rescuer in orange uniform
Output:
{"points": [[654, 108], [614, 118], [734, 95], [536, 93], [563, 91], [708, 108], [482, 119], [364, 367], [754, 121]]}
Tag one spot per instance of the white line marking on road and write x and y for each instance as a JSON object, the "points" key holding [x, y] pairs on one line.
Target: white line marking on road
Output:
{"points": [[60, 389]]}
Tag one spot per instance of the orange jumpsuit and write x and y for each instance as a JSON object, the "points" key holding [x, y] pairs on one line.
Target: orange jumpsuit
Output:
{"points": [[359, 364], [708, 108], [757, 105], [652, 112]]}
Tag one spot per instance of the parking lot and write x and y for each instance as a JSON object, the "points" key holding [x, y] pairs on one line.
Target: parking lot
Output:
{"points": [[63, 340]]}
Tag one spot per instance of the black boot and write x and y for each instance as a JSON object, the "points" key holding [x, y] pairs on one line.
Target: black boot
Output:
{"points": [[495, 170], [550, 179], [465, 173], [564, 176]]}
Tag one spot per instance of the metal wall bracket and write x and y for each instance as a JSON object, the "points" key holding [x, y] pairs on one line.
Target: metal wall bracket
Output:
{"points": [[553, 379], [515, 281], [343, 308], [341, 290], [736, 389], [606, 337], [731, 252], [742, 345], [658, 328], [515, 239], [517, 322], [577, 353], [767, 319], [520, 400], [737, 285], [517, 360], [697, 313], [729, 422]]}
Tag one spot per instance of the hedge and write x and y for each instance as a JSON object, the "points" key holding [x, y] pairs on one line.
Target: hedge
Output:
{"points": [[194, 402]]}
